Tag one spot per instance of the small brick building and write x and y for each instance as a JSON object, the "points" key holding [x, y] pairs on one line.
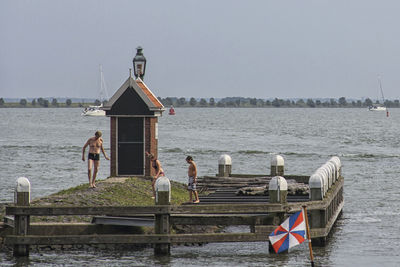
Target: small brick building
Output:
{"points": [[133, 112]]}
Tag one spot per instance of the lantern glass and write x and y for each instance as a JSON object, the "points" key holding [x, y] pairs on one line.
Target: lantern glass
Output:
{"points": [[139, 63], [139, 68]]}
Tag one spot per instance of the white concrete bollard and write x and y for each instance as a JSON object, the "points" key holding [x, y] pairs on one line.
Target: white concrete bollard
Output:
{"points": [[224, 166], [163, 191], [21, 222], [277, 166], [23, 189], [328, 172], [162, 224], [278, 190], [331, 177], [336, 161], [324, 175], [316, 185]]}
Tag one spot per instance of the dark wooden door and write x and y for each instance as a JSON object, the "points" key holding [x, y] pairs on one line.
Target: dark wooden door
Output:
{"points": [[130, 146]]}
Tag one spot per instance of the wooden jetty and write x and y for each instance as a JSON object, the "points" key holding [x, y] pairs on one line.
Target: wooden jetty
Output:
{"points": [[262, 212]]}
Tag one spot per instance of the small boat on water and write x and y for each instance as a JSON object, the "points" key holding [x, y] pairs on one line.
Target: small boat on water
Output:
{"points": [[93, 111], [97, 110], [171, 111], [379, 107]]}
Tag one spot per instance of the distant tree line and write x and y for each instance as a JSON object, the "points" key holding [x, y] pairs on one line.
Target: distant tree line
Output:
{"points": [[224, 102], [256, 102], [46, 103]]}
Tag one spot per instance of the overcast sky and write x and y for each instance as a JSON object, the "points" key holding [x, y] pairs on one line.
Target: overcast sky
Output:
{"points": [[202, 48]]}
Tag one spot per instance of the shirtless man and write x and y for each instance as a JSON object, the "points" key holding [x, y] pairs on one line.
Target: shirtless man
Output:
{"points": [[95, 144], [192, 173]]}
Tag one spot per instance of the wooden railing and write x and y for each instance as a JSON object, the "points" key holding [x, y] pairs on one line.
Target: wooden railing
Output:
{"points": [[261, 218], [257, 216]]}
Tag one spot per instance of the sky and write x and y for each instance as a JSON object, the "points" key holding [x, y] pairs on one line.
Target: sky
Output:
{"points": [[202, 48]]}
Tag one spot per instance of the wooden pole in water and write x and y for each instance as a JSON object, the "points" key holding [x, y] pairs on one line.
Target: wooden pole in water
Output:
{"points": [[308, 235]]}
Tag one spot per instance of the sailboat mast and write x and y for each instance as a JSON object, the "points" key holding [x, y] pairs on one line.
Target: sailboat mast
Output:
{"points": [[101, 83], [103, 87], [380, 86]]}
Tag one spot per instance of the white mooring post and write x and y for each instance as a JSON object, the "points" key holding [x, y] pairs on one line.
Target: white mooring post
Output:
{"points": [[278, 190], [224, 166], [163, 197], [277, 166], [336, 161], [323, 173], [316, 184], [21, 222], [331, 178]]}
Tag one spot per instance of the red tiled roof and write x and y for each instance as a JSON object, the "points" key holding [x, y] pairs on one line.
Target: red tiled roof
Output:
{"points": [[149, 94]]}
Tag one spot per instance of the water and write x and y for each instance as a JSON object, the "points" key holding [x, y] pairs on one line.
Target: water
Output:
{"points": [[45, 146]]}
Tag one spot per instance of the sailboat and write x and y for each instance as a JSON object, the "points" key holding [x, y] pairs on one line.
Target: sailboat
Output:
{"points": [[377, 106], [93, 111], [97, 110]]}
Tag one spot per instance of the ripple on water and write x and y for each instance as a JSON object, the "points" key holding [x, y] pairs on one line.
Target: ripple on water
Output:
{"points": [[367, 234]]}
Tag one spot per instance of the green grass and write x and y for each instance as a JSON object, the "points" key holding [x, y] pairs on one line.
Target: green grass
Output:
{"points": [[124, 192], [137, 192], [109, 192]]}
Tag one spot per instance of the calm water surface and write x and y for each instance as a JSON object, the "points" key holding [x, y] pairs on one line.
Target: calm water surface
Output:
{"points": [[45, 145]]}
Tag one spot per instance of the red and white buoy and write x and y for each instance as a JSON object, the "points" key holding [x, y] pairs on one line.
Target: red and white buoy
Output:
{"points": [[171, 111]]}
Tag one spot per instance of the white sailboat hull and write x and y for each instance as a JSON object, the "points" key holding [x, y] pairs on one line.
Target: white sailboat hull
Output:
{"points": [[93, 111], [377, 108]]}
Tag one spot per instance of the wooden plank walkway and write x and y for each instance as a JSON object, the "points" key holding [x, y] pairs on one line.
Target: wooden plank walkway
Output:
{"points": [[228, 195], [212, 183]]}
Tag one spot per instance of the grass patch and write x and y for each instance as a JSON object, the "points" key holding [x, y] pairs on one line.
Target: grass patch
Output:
{"points": [[138, 192], [109, 192]]}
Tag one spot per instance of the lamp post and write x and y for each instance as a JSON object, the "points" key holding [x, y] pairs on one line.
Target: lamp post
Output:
{"points": [[139, 63]]}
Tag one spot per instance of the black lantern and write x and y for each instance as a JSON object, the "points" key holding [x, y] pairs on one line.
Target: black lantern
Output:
{"points": [[139, 63]]}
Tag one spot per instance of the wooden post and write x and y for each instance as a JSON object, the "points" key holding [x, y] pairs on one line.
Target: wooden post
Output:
{"points": [[162, 225], [224, 166], [308, 235], [277, 166], [21, 222]]}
